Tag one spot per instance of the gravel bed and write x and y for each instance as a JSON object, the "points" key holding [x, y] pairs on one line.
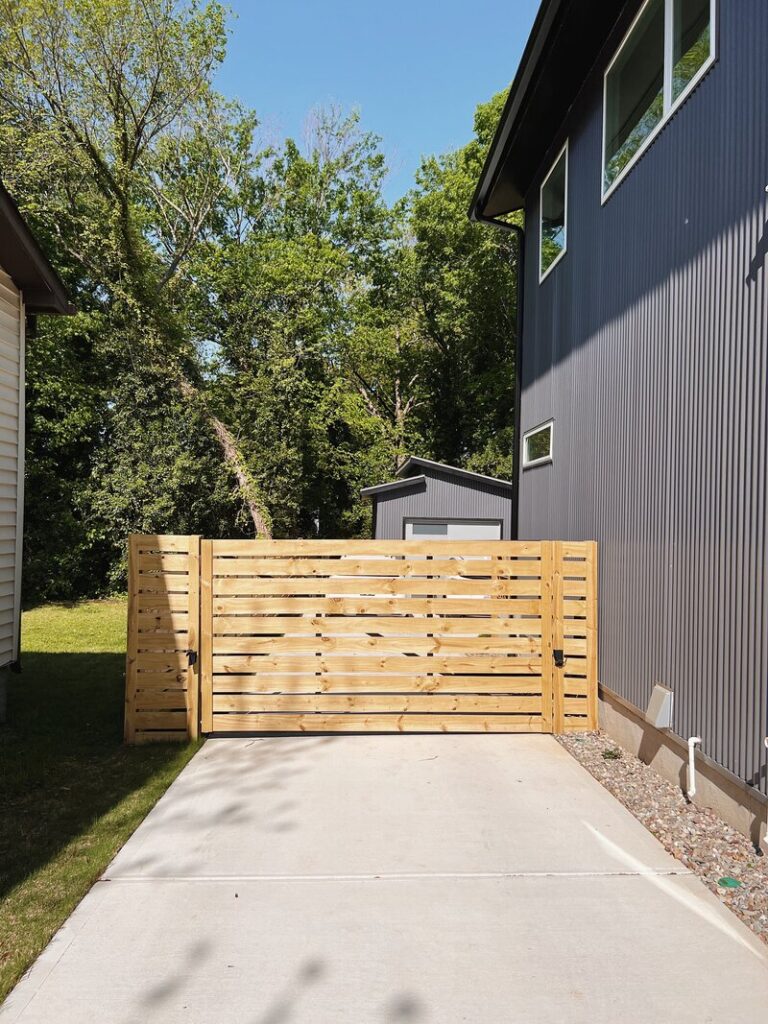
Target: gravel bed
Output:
{"points": [[694, 835]]}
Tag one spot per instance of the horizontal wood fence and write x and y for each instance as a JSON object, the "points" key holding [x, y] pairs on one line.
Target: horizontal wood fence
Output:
{"points": [[354, 636]]}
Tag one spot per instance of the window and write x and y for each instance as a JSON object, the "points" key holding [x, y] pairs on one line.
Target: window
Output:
{"points": [[691, 42], [537, 445], [553, 201], [666, 51]]}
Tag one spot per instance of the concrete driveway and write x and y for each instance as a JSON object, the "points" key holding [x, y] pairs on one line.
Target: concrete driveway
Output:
{"points": [[374, 879]]}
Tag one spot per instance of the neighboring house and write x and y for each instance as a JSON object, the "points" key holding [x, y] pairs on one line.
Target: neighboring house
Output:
{"points": [[635, 140], [432, 501], [28, 286]]}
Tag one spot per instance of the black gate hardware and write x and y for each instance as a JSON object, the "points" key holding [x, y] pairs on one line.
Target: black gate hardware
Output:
{"points": [[559, 657], [192, 657]]}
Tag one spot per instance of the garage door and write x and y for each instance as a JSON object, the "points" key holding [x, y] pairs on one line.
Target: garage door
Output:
{"points": [[452, 529]]}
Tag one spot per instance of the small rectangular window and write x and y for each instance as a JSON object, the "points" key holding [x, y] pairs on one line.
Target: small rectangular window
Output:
{"points": [[691, 42], [554, 199], [634, 91], [537, 445], [666, 51]]}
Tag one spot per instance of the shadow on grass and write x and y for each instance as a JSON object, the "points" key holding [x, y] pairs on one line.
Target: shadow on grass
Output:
{"points": [[63, 766]]}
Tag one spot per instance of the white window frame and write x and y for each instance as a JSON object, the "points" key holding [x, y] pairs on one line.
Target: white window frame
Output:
{"points": [[545, 459], [670, 105], [556, 260]]}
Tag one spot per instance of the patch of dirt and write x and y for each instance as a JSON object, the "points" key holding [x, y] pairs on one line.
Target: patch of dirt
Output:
{"points": [[694, 835]]}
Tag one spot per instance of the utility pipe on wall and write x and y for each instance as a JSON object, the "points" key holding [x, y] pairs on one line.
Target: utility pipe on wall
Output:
{"points": [[693, 742]]}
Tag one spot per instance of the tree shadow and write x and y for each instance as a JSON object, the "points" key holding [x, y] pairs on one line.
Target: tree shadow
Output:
{"points": [[63, 763]]}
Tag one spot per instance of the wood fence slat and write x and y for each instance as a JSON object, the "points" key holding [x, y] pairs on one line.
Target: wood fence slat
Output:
{"points": [[374, 586], [361, 723], [155, 562], [445, 606], [422, 703], [375, 644], [362, 625], [339, 683], [460, 664], [384, 566], [320, 548]]}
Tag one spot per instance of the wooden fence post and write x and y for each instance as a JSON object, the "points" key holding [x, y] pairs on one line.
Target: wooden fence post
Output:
{"points": [[592, 639], [193, 640], [558, 642], [132, 641], [206, 636]]}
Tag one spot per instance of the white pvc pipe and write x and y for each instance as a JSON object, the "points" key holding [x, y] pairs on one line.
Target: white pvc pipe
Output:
{"points": [[693, 741]]}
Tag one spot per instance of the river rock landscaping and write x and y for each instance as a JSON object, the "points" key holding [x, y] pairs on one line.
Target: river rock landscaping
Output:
{"points": [[724, 859]]}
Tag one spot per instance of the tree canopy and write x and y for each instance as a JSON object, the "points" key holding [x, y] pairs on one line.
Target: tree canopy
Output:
{"points": [[259, 334]]}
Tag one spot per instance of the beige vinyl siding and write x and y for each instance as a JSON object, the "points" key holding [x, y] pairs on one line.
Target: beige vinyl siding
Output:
{"points": [[11, 463]]}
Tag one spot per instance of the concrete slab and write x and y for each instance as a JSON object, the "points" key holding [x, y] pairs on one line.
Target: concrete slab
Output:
{"points": [[474, 899], [383, 805]]}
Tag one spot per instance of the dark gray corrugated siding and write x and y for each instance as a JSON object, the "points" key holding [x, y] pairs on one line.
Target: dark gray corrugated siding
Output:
{"points": [[443, 497], [648, 346]]}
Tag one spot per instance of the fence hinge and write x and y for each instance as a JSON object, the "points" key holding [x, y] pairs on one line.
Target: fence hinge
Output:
{"points": [[192, 657], [559, 657]]}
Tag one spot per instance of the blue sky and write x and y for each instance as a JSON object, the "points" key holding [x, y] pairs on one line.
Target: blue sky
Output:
{"points": [[416, 69]]}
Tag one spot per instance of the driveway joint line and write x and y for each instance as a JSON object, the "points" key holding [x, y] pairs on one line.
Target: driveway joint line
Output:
{"points": [[399, 876]]}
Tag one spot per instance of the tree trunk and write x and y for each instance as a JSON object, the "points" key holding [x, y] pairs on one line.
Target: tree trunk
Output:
{"points": [[234, 461]]}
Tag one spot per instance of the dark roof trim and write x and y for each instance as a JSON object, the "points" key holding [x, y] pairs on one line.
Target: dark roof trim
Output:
{"points": [[393, 485], [566, 41], [413, 462], [517, 93], [24, 261]]}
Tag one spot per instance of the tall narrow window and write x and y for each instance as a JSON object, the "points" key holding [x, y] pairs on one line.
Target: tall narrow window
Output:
{"points": [[691, 42], [634, 91], [666, 51], [554, 199]]}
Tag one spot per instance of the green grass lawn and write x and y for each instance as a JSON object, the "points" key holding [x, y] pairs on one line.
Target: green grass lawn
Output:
{"points": [[70, 792]]}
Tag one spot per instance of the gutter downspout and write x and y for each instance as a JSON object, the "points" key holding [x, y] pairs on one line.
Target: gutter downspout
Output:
{"points": [[516, 454]]}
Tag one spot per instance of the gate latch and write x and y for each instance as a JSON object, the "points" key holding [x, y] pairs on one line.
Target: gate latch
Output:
{"points": [[559, 657], [192, 657]]}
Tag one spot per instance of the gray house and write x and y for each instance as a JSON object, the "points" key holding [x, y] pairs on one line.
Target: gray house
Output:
{"points": [[635, 141], [432, 501]]}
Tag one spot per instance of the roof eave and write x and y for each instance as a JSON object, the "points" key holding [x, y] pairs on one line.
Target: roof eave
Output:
{"points": [[494, 160], [26, 264], [393, 485], [415, 461]]}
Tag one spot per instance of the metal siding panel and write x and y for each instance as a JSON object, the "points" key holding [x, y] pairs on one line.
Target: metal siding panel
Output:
{"points": [[647, 344]]}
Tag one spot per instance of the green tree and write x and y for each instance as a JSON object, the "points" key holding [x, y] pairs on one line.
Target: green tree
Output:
{"points": [[464, 293]]}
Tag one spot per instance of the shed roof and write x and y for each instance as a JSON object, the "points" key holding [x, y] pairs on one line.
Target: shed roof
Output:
{"points": [[393, 485], [564, 44], [25, 262], [415, 471]]}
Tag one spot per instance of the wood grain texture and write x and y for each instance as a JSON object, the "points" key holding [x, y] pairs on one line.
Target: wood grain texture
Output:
{"points": [[422, 703], [161, 687], [367, 723], [360, 636]]}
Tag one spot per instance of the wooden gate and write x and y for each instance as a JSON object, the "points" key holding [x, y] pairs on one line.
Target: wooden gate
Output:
{"points": [[361, 636]]}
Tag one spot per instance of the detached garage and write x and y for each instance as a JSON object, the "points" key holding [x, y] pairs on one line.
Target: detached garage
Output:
{"points": [[432, 501]]}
